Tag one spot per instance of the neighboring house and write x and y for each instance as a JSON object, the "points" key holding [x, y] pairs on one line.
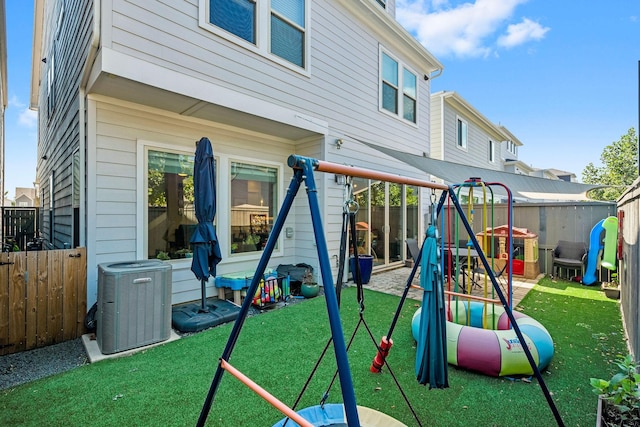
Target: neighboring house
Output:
{"points": [[564, 175], [124, 89], [461, 134], [25, 197], [3, 90]]}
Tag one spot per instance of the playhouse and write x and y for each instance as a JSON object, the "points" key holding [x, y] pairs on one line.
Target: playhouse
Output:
{"points": [[523, 264]]}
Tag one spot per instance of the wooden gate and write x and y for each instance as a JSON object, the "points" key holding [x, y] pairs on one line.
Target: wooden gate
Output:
{"points": [[43, 298]]}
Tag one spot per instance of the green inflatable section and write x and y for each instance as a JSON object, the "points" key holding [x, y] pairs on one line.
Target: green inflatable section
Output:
{"points": [[610, 226]]}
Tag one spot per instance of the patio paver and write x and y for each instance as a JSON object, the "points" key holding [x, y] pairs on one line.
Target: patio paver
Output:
{"points": [[394, 281]]}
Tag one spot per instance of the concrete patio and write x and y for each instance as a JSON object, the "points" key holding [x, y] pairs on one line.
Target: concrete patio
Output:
{"points": [[394, 281]]}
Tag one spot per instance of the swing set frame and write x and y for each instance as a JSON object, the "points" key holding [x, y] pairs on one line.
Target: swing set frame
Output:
{"points": [[303, 172]]}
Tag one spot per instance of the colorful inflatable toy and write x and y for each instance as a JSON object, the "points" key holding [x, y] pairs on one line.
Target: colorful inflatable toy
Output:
{"points": [[483, 341]]}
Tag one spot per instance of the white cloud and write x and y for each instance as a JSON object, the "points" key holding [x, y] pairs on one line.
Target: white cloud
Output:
{"points": [[28, 118], [521, 33], [466, 29], [15, 102]]}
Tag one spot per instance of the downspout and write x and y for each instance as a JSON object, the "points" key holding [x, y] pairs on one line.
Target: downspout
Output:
{"points": [[82, 96]]}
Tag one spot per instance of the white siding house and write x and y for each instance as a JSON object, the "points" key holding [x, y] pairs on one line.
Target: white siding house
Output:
{"points": [[127, 89]]}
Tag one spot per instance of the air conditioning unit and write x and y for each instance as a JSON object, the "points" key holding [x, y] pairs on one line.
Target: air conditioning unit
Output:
{"points": [[134, 304]]}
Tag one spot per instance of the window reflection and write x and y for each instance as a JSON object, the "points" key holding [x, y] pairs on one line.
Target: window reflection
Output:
{"points": [[253, 206], [171, 215]]}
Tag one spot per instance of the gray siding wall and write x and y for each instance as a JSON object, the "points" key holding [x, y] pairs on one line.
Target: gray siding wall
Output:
{"points": [[121, 129], [342, 87], [477, 152], [116, 228], [59, 131]]}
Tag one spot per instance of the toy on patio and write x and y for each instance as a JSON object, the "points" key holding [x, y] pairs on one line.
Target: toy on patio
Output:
{"points": [[609, 226], [354, 416]]}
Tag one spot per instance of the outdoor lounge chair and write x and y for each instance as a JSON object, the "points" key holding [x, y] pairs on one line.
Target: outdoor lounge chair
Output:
{"points": [[570, 255]]}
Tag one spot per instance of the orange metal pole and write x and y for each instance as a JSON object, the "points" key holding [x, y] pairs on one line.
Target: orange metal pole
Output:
{"points": [[324, 166], [265, 394]]}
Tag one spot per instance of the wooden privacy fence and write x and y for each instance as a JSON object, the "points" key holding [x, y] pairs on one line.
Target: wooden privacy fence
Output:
{"points": [[43, 298]]}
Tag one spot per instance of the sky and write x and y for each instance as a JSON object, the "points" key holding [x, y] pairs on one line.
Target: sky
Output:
{"points": [[562, 76]]}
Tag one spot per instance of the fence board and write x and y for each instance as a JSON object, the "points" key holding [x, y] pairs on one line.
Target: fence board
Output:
{"points": [[42, 298], [70, 296], [31, 316], [5, 344], [17, 297], [42, 286], [56, 306]]}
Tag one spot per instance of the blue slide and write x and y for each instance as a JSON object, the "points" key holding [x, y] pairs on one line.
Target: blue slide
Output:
{"points": [[594, 250]]}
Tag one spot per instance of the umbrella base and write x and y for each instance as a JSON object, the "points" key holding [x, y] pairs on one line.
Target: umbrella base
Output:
{"points": [[191, 318]]}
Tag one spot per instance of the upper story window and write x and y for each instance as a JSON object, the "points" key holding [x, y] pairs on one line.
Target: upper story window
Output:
{"points": [[512, 148], [398, 88], [492, 151], [269, 27], [461, 134], [382, 3], [51, 82]]}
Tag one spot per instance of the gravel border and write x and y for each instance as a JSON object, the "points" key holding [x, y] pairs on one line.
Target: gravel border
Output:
{"points": [[26, 366]]}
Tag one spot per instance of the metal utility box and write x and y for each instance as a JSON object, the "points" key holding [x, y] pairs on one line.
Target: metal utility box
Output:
{"points": [[134, 304]]}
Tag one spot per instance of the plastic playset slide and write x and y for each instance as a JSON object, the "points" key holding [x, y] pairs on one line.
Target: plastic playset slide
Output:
{"points": [[610, 226]]}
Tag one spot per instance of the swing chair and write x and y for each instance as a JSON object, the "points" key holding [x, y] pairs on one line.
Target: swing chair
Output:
{"points": [[352, 414]]}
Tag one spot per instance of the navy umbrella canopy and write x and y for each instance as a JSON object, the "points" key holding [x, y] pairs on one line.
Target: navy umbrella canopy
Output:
{"points": [[431, 357], [206, 250]]}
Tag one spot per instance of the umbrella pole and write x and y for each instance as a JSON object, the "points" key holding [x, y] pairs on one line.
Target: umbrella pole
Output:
{"points": [[203, 286]]}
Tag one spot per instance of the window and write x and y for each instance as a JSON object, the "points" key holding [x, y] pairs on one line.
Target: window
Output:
{"points": [[75, 201], [277, 25], [51, 81], [397, 80], [382, 3], [254, 201], [491, 151], [171, 217], [462, 134]]}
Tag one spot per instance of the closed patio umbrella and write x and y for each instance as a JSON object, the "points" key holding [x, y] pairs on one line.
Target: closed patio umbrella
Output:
{"points": [[431, 357], [206, 251]]}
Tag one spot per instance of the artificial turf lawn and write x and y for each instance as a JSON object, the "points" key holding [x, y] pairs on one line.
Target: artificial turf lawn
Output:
{"points": [[167, 385]]}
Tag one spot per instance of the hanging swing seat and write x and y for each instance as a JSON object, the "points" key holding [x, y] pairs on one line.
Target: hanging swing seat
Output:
{"points": [[333, 415]]}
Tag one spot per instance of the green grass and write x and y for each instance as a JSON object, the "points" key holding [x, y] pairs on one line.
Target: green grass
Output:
{"points": [[167, 385]]}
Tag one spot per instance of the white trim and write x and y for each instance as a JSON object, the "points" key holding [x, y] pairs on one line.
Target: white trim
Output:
{"points": [[262, 46], [135, 69]]}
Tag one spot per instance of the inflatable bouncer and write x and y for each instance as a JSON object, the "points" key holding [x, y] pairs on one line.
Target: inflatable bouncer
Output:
{"points": [[479, 338]]}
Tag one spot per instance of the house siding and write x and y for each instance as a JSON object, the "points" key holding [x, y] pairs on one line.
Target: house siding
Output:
{"points": [[342, 87], [477, 152], [338, 96], [59, 131]]}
